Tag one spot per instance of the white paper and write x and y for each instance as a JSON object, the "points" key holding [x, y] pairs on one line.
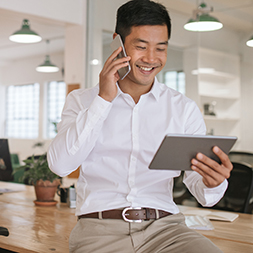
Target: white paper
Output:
{"points": [[6, 190], [222, 216], [198, 222]]}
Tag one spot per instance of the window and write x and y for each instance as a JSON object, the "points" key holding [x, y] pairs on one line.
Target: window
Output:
{"points": [[22, 111], [175, 80], [56, 95]]}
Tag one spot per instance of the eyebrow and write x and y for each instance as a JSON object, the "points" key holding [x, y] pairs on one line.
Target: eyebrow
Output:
{"points": [[144, 41]]}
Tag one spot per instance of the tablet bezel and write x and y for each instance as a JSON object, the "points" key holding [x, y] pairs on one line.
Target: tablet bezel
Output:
{"points": [[177, 150]]}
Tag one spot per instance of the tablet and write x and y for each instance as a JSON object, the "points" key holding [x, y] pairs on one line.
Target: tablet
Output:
{"points": [[177, 150]]}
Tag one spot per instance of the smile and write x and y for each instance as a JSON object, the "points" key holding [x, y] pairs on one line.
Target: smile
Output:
{"points": [[145, 68]]}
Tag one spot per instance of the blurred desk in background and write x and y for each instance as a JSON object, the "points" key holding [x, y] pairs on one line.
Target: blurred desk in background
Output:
{"points": [[230, 237], [33, 228]]}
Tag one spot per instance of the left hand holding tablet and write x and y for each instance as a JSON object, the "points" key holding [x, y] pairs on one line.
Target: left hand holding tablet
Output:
{"points": [[212, 172]]}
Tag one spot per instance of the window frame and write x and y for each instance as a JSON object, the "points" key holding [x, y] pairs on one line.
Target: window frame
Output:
{"points": [[177, 80], [47, 118]]}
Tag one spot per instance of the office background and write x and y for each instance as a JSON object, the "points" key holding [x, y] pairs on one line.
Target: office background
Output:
{"points": [[80, 32]]}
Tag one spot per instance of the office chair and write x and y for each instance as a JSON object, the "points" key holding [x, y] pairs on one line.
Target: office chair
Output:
{"points": [[238, 197], [241, 156], [181, 194], [5, 161]]}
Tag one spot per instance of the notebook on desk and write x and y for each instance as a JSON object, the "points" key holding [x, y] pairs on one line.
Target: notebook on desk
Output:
{"points": [[213, 215]]}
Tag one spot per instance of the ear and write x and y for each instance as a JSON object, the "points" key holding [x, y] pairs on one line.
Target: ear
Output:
{"points": [[114, 35]]}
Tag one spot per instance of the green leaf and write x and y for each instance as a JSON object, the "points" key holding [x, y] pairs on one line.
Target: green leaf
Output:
{"points": [[36, 169]]}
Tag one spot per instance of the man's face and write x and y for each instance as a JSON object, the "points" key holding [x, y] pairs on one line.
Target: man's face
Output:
{"points": [[147, 45]]}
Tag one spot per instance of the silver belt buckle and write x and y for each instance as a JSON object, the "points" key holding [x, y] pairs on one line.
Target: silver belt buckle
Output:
{"points": [[124, 214]]}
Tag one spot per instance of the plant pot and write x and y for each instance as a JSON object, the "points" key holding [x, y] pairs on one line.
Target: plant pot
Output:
{"points": [[45, 192]]}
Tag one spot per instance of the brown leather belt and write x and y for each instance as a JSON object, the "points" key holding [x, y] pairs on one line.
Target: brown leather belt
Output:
{"points": [[128, 214]]}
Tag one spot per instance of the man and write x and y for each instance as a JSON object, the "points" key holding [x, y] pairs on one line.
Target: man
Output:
{"points": [[114, 129]]}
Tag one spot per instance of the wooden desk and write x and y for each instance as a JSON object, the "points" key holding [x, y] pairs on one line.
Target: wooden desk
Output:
{"points": [[34, 228], [230, 237], [46, 229]]}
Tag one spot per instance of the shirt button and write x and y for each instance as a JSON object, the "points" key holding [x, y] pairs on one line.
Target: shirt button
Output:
{"points": [[133, 159], [135, 110], [129, 199]]}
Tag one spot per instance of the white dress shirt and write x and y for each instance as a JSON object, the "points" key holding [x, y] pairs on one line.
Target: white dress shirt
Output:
{"points": [[114, 142]]}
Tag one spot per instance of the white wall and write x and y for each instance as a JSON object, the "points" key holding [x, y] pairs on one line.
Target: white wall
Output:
{"points": [[68, 11], [247, 104], [247, 95], [2, 106], [246, 54], [75, 54]]}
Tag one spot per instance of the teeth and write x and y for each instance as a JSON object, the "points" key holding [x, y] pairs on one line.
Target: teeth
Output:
{"points": [[145, 69]]}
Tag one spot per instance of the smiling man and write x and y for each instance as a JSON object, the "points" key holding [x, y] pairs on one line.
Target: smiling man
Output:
{"points": [[113, 131]]}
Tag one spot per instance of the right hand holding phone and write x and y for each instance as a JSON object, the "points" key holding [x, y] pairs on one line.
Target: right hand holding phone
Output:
{"points": [[109, 75]]}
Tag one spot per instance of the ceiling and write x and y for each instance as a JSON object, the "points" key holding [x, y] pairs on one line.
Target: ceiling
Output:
{"points": [[235, 15], [11, 21]]}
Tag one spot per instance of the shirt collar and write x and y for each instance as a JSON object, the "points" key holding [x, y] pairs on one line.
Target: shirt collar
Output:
{"points": [[155, 90], [119, 91]]}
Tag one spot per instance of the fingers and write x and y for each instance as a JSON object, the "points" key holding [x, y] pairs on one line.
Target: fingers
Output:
{"points": [[211, 178], [212, 172], [223, 158], [109, 75], [113, 65]]}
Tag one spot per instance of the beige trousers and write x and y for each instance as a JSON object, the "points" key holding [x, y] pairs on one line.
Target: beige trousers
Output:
{"points": [[168, 234]]}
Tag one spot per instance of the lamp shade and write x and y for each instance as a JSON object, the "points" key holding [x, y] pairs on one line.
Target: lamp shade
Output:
{"points": [[203, 23], [25, 34], [47, 66], [250, 42]]}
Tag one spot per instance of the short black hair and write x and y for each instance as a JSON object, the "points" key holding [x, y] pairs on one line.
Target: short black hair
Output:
{"points": [[138, 13]]}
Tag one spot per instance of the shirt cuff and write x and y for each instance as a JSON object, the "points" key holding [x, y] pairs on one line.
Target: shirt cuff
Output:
{"points": [[212, 195]]}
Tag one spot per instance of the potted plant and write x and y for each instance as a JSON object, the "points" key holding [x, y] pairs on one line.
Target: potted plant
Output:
{"points": [[37, 173]]}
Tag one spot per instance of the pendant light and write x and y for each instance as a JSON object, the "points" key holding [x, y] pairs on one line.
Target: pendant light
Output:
{"points": [[202, 21], [25, 34], [47, 66], [249, 43]]}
